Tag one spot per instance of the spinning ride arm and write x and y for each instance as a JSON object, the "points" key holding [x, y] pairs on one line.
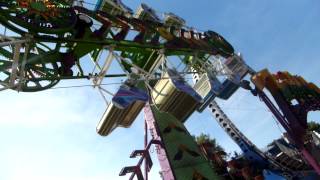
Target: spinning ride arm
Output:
{"points": [[71, 29], [251, 152], [295, 97], [258, 159], [60, 35]]}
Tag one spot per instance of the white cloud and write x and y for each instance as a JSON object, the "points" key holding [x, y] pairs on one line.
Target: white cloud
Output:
{"points": [[60, 142], [37, 163], [69, 165], [27, 175], [48, 108]]}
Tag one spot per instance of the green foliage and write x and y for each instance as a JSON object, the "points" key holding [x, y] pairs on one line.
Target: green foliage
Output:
{"points": [[205, 138], [314, 126]]}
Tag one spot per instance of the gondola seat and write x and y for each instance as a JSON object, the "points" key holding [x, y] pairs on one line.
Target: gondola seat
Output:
{"points": [[173, 95], [145, 12], [113, 7], [208, 87], [173, 20], [123, 109]]}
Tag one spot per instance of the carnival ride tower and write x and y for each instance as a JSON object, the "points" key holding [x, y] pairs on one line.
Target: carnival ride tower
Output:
{"points": [[45, 42]]}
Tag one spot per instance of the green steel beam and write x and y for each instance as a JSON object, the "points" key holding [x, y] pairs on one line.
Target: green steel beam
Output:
{"points": [[185, 158]]}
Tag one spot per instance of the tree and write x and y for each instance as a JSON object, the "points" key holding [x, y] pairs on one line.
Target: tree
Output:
{"points": [[314, 126], [205, 138]]}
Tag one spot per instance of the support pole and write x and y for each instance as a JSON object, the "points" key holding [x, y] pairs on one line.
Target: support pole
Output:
{"points": [[145, 147], [166, 173], [13, 42], [15, 65], [306, 154], [274, 110], [311, 160]]}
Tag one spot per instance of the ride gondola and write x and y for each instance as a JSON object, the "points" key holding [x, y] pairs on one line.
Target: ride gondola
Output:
{"points": [[173, 95]]}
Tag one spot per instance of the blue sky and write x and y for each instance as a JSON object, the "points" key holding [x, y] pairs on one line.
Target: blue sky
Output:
{"points": [[51, 135]]}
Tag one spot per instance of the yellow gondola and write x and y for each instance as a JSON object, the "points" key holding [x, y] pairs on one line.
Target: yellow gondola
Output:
{"points": [[113, 7], [171, 94], [115, 117], [173, 20], [145, 12], [123, 109]]}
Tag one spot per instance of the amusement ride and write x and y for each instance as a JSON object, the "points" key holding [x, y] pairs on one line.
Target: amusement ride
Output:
{"points": [[45, 41]]}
